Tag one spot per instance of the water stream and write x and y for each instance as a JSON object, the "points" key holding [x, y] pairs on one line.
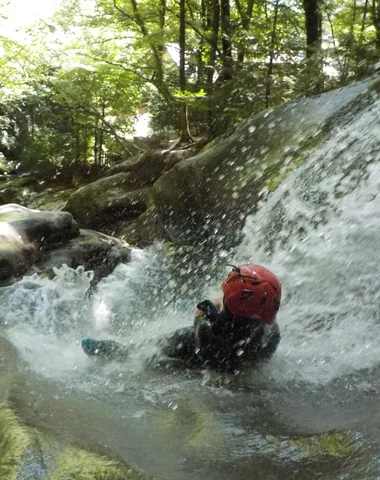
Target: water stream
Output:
{"points": [[311, 412]]}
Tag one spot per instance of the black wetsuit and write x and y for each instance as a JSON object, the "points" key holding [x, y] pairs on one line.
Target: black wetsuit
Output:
{"points": [[222, 341], [218, 340]]}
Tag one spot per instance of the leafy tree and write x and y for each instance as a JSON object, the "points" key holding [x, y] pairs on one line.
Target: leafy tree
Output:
{"points": [[71, 91]]}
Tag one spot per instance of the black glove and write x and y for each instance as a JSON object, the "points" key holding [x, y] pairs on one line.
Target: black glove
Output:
{"points": [[210, 310]]}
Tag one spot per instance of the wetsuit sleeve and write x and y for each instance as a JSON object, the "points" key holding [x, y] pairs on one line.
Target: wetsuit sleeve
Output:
{"points": [[209, 310], [270, 341]]}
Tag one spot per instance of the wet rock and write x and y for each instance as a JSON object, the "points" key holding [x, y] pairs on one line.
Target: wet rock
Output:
{"points": [[143, 230], [206, 198], [25, 232], [32, 240], [121, 203], [93, 250], [108, 200], [27, 452]]}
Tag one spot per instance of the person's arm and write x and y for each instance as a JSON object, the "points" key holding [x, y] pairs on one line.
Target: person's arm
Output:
{"points": [[206, 327], [208, 308], [270, 341]]}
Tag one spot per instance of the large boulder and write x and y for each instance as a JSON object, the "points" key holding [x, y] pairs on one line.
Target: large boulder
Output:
{"points": [[108, 200], [25, 233], [121, 203], [32, 240], [93, 250], [143, 230], [146, 168], [206, 198]]}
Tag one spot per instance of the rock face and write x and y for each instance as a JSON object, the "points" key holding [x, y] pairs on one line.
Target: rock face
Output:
{"points": [[201, 198], [108, 200], [31, 240], [207, 197], [121, 203]]}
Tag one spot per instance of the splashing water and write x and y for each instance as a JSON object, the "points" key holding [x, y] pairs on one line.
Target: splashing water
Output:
{"points": [[319, 232], [44, 317], [322, 228]]}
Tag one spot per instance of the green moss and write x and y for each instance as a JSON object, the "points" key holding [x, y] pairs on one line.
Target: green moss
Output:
{"points": [[198, 423], [209, 146], [9, 217], [277, 171], [24, 449], [75, 464], [336, 445], [13, 442]]}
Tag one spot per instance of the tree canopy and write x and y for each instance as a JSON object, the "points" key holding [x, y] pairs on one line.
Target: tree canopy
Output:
{"points": [[73, 84]]}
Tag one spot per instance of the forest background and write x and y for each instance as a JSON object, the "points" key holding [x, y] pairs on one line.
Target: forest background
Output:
{"points": [[74, 84]]}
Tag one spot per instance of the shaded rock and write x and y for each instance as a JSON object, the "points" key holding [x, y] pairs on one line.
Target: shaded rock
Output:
{"points": [[146, 168], [93, 250], [17, 254], [31, 240], [206, 198], [46, 227], [23, 232], [108, 200], [50, 199], [143, 230]]}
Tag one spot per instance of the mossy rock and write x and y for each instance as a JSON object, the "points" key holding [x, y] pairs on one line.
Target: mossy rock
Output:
{"points": [[27, 453], [142, 231], [207, 198], [107, 201]]}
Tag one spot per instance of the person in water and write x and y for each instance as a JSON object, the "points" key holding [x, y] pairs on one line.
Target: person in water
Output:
{"points": [[229, 333]]}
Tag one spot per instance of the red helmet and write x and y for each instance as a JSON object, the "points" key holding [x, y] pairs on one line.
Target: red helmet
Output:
{"points": [[252, 291]]}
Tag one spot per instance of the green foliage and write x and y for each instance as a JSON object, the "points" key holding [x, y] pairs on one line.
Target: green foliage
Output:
{"points": [[72, 87]]}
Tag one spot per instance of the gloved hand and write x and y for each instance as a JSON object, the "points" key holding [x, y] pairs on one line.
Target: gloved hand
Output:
{"points": [[210, 310]]}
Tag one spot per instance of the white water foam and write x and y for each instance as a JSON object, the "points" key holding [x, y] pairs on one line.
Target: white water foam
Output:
{"points": [[329, 268], [45, 319], [323, 227]]}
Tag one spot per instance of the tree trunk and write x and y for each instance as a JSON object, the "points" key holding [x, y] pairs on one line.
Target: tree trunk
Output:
{"points": [[351, 38], [376, 20], [85, 144], [226, 40], [245, 23], [77, 142], [271, 56], [313, 27], [213, 22], [201, 47], [96, 143], [184, 122], [361, 71]]}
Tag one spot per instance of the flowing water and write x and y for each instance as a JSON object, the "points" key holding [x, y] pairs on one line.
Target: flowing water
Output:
{"points": [[311, 412]]}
